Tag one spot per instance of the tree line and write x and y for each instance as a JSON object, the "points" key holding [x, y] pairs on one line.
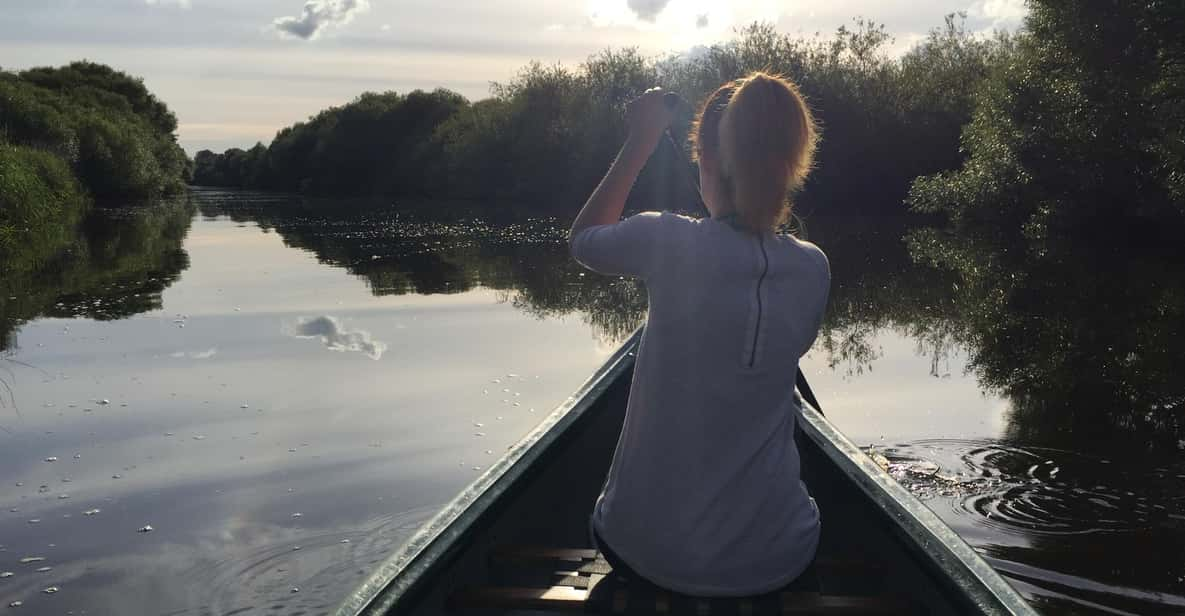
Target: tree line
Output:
{"points": [[543, 139], [71, 136]]}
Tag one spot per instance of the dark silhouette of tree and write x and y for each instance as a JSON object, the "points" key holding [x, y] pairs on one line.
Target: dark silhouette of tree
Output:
{"points": [[544, 138]]}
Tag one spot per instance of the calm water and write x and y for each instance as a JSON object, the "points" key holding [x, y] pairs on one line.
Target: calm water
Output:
{"points": [[282, 396]]}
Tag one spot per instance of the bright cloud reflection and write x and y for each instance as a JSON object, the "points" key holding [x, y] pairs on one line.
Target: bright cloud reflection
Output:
{"points": [[337, 338]]}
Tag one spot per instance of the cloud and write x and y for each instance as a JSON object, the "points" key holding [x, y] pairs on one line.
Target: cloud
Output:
{"points": [[181, 3], [647, 10], [337, 338], [318, 15], [1000, 13]]}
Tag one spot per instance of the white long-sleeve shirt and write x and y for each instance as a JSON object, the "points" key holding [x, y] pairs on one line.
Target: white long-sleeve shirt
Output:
{"points": [[704, 495]]}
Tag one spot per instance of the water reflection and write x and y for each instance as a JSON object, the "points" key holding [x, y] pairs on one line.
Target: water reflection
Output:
{"points": [[1040, 491], [248, 449], [219, 413], [1074, 529], [426, 249], [117, 265], [1084, 338], [1081, 339], [336, 337], [877, 287], [1078, 499]]}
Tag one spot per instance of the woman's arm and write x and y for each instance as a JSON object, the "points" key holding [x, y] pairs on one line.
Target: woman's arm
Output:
{"points": [[647, 117]]}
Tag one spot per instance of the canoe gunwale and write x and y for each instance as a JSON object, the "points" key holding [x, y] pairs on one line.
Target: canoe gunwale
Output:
{"points": [[935, 544], [431, 548]]}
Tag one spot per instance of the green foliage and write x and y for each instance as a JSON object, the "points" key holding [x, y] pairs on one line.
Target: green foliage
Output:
{"points": [[544, 138], [473, 142], [234, 167], [115, 135], [40, 203], [101, 86], [115, 264], [1081, 130], [547, 136]]}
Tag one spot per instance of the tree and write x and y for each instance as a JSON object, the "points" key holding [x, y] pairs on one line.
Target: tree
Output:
{"points": [[1081, 131], [544, 138], [117, 137]]}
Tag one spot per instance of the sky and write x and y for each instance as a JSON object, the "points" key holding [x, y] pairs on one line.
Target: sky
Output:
{"points": [[236, 71]]}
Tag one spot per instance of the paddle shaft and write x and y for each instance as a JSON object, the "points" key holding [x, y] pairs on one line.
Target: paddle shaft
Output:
{"points": [[672, 100]]}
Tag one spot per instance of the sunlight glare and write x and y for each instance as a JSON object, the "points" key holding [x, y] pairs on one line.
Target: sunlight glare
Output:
{"points": [[683, 24]]}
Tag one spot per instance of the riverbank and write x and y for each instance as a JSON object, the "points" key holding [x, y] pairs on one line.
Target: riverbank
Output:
{"points": [[72, 136]]}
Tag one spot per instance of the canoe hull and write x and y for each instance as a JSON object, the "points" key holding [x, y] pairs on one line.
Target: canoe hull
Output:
{"points": [[542, 492]]}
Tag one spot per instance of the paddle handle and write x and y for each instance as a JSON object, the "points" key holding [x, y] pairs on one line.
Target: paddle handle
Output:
{"points": [[804, 388]]}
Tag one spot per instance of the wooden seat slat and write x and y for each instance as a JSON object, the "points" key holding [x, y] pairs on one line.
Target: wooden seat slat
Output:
{"points": [[556, 598], [568, 599], [583, 582], [535, 553], [558, 557], [568, 577]]}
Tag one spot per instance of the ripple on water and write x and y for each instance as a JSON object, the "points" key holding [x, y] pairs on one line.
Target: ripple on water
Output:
{"points": [[1035, 490], [317, 563], [1069, 529]]}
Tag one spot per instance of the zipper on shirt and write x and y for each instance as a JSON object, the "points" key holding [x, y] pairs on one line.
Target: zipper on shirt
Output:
{"points": [[760, 280]]}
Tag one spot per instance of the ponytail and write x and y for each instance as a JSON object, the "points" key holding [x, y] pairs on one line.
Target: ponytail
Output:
{"points": [[766, 143]]}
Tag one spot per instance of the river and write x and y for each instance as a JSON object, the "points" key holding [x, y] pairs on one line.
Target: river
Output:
{"points": [[237, 403]]}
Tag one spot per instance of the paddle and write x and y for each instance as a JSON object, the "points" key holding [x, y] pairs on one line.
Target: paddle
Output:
{"points": [[672, 100]]}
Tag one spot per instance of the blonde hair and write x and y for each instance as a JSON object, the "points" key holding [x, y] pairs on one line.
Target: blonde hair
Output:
{"points": [[763, 134]]}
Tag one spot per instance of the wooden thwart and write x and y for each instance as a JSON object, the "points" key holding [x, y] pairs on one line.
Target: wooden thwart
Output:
{"points": [[586, 560], [581, 581], [620, 601]]}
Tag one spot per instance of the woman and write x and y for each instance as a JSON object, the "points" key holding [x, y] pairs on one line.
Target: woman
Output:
{"points": [[704, 495]]}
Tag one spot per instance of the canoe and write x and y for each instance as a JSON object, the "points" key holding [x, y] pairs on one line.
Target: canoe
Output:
{"points": [[516, 539]]}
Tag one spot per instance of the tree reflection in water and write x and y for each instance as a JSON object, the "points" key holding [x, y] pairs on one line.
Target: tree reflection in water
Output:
{"points": [[1080, 502], [424, 249], [1080, 340], [117, 265], [1083, 338]]}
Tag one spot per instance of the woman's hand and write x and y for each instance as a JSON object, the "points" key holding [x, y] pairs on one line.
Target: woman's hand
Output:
{"points": [[647, 117]]}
